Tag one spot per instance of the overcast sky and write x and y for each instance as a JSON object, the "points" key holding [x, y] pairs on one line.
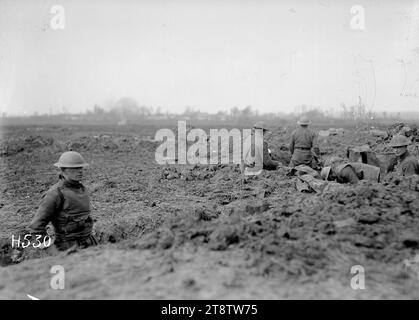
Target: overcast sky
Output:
{"points": [[211, 55]]}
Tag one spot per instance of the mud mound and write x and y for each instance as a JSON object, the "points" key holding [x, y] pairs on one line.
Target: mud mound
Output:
{"points": [[297, 235], [27, 143], [191, 174], [283, 156], [404, 183], [403, 129], [98, 143], [200, 172], [124, 228], [5, 252], [378, 214], [113, 143], [259, 234]]}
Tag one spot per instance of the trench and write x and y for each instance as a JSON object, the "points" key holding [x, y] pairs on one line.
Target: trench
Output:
{"points": [[120, 231]]}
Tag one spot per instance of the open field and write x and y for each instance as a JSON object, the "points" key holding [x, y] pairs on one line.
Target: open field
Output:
{"points": [[200, 232]]}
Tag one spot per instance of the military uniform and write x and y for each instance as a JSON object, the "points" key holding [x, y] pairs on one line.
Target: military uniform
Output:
{"points": [[354, 171], [67, 206], [262, 158], [406, 165], [268, 163], [302, 141]]}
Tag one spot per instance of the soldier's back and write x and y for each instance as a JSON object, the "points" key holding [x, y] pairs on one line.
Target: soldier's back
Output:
{"points": [[303, 137]]}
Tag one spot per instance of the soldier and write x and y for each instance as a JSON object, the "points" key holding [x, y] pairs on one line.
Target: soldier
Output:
{"points": [[262, 159], [405, 163], [67, 206], [350, 172], [303, 141]]}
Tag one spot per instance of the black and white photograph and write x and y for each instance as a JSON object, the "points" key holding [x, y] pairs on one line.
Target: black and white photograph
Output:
{"points": [[216, 152]]}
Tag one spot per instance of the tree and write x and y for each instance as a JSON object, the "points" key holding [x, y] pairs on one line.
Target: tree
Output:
{"points": [[97, 110], [247, 112], [158, 111], [314, 114], [344, 111], [234, 112], [126, 108]]}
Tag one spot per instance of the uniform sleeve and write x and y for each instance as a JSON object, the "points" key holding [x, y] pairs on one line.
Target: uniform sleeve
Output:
{"points": [[315, 145], [268, 163], [349, 175], [292, 143], [410, 168], [47, 209], [392, 165]]}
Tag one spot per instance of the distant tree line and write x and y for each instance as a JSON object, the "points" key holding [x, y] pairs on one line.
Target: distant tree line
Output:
{"points": [[127, 111]]}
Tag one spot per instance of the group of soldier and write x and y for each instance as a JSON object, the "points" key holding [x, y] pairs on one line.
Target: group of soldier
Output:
{"points": [[305, 151], [67, 206]]}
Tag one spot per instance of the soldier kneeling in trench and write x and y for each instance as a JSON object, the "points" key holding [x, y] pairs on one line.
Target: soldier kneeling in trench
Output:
{"points": [[67, 206], [405, 164], [254, 166], [349, 172]]}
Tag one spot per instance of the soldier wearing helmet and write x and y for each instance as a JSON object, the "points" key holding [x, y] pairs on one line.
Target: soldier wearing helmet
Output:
{"points": [[67, 206], [303, 141], [405, 164], [262, 159]]}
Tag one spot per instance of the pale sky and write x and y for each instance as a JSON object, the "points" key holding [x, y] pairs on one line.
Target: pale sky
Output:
{"points": [[210, 55]]}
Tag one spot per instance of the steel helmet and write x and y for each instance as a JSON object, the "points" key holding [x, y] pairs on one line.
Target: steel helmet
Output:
{"points": [[399, 141], [71, 159], [304, 121], [261, 125], [324, 174]]}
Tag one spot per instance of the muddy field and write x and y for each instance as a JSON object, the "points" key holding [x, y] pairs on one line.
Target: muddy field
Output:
{"points": [[202, 232]]}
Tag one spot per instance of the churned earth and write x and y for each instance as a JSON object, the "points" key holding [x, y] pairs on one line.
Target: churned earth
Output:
{"points": [[203, 232]]}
